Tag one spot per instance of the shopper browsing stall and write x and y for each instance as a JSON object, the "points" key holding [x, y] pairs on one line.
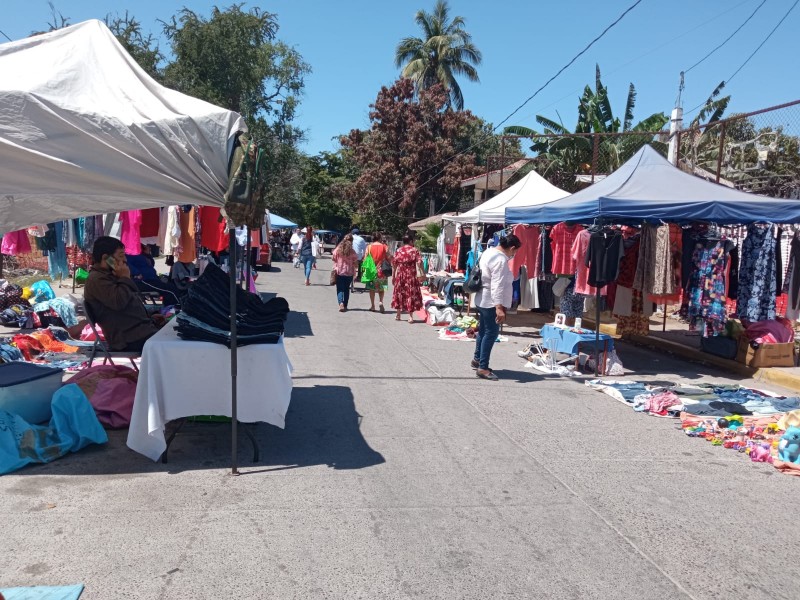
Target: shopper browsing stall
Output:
{"points": [[492, 301]]}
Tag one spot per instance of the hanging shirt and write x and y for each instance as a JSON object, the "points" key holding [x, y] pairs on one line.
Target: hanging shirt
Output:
{"points": [[131, 237], [16, 243], [212, 229], [151, 218], [580, 249], [603, 257], [526, 254], [187, 223], [562, 237]]}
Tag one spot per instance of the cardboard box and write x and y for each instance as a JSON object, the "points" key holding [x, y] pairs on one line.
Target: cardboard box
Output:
{"points": [[767, 355]]}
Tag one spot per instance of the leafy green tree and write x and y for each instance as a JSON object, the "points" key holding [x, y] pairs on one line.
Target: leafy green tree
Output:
{"points": [[567, 155], [444, 52], [233, 59], [142, 47], [427, 238], [324, 202], [407, 163]]}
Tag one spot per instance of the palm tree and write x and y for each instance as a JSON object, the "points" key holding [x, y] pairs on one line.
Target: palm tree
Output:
{"points": [[567, 155], [445, 51]]}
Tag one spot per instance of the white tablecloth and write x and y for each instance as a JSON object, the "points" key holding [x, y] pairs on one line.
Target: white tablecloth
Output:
{"points": [[181, 378]]}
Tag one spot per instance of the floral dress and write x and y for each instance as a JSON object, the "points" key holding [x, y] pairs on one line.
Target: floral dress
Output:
{"points": [[406, 295], [757, 274]]}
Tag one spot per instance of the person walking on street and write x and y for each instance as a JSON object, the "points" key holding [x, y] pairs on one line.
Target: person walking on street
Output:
{"points": [[307, 253], [406, 295], [360, 247], [492, 301], [344, 263], [294, 242], [379, 253]]}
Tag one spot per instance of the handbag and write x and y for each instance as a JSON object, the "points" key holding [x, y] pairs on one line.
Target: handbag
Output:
{"points": [[473, 283], [333, 277], [386, 268]]}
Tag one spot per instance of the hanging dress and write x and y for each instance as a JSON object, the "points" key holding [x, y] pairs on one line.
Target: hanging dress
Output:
{"points": [[757, 275]]}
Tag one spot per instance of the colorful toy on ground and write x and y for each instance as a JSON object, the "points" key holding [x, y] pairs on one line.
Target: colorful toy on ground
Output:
{"points": [[789, 447]]}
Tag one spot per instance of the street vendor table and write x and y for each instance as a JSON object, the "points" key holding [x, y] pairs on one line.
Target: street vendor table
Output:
{"points": [[183, 378], [569, 342]]}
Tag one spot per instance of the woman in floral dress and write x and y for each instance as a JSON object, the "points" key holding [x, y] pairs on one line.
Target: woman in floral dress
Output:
{"points": [[406, 296]]}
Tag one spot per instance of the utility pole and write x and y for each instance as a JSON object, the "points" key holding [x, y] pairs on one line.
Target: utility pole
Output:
{"points": [[675, 125]]}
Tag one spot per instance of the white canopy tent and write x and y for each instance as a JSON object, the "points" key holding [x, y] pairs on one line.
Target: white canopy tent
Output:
{"points": [[531, 190], [85, 131]]}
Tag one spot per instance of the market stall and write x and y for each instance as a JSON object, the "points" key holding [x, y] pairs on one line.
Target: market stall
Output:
{"points": [[656, 235], [85, 131]]}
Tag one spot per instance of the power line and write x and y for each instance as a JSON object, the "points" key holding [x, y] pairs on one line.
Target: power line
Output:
{"points": [[752, 54], [5, 36], [577, 56], [774, 29], [447, 160], [763, 2]]}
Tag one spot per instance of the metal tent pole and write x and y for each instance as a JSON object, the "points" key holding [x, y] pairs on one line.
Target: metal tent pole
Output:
{"points": [[247, 260], [597, 331], [234, 363]]}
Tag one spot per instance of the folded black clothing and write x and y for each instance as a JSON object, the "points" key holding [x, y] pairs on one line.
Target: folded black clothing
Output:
{"points": [[208, 300], [190, 332]]}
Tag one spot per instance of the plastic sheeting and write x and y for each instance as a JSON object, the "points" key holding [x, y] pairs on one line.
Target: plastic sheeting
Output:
{"points": [[85, 131], [648, 188], [73, 427]]}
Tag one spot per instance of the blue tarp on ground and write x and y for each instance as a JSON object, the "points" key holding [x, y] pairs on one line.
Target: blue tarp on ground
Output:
{"points": [[74, 426], [68, 592], [276, 222], [648, 188]]}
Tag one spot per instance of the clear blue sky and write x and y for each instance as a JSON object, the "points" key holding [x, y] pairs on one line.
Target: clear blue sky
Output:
{"points": [[350, 46]]}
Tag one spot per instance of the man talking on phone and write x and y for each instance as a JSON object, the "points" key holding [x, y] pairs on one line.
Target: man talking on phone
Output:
{"points": [[114, 299]]}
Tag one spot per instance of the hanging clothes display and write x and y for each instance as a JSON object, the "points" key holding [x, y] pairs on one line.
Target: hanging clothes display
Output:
{"points": [[791, 283], [602, 258], [213, 234], [706, 300], [580, 247], [668, 254], [187, 223], [562, 238], [131, 221], [526, 255], [171, 244], [148, 230], [629, 308], [528, 290], [571, 303], [16, 243], [756, 295], [57, 251]]}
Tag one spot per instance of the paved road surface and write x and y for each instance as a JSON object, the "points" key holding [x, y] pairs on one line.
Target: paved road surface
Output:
{"points": [[400, 475]]}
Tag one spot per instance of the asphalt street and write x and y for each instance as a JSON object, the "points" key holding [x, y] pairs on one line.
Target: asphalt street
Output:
{"points": [[401, 475]]}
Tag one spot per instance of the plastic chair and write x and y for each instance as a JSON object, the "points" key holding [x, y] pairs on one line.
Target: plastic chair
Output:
{"points": [[102, 346]]}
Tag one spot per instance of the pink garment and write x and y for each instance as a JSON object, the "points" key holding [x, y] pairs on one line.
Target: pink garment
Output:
{"points": [[345, 265], [659, 403], [526, 255], [770, 332], [110, 390], [562, 237], [579, 248], [131, 223], [16, 243]]}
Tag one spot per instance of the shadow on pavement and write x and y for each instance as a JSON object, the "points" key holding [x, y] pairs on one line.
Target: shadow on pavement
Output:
{"points": [[298, 325], [322, 428]]}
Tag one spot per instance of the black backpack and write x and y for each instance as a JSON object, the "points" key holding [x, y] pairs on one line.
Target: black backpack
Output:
{"points": [[473, 283]]}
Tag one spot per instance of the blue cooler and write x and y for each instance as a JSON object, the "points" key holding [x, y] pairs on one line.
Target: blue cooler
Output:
{"points": [[27, 390]]}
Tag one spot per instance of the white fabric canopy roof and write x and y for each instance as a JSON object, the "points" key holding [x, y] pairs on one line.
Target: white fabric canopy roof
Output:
{"points": [[531, 190], [85, 131]]}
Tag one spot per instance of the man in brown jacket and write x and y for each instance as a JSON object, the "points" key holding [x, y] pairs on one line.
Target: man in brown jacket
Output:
{"points": [[114, 298]]}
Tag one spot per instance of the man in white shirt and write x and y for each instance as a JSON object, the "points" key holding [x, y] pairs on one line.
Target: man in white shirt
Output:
{"points": [[295, 241], [492, 301], [360, 248]]}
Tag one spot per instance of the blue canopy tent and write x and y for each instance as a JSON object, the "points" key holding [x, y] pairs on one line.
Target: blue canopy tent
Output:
{"points": [[648, 188], [276, 222]]}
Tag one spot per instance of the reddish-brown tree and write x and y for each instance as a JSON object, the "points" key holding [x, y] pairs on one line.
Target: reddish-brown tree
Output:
{"points": [[408, 160]]}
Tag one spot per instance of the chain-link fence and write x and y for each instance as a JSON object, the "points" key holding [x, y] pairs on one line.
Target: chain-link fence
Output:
{"points": [[756, 152]]}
